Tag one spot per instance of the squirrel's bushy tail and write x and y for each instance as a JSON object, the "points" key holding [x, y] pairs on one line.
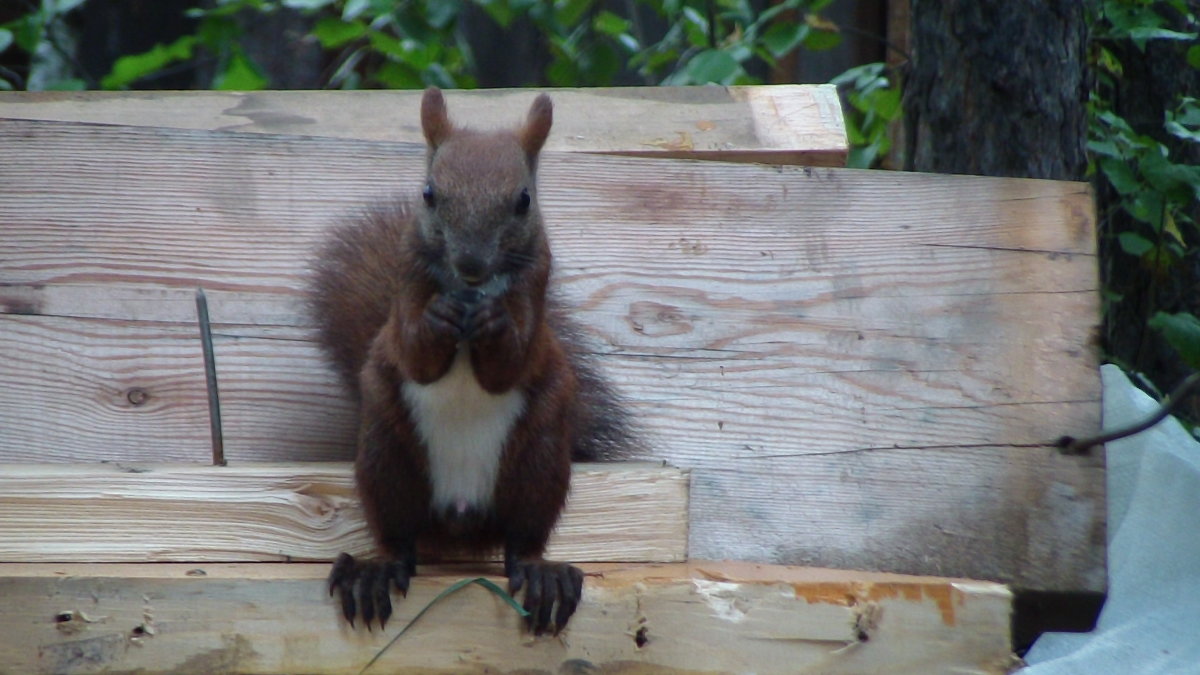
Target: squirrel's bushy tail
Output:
{"points": [[605, 430]]}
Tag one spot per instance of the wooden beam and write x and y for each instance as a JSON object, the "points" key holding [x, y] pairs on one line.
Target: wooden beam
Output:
{"points": [[292, 511], [861, 368], [792, 124], [696, 617]]}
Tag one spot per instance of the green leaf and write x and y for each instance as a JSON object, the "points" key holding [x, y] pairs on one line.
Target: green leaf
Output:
{"points": [[1184, 121], [740, 52], [28, 31], [1110, 63], [500, 11], [1182, 331], [390, 45], [1121, 175], [863, 78], [1172, 228], [437, 75], [571, 12], [6, 38], [862, 157], [129, 69], [767, 16], [443, 13], [610, 24], [1126, 17], [712, 65], [784, 36], [658, 60], [1148, 33], [1147, 206], [695, 26], [1193, 56], [356, 8], [1188, 112], [886, 103], [600, 66], [1104, 148], [68, 84], [332, 32], [395, 75], [1175, 181], [1134, 244], [562, 72], [307, 5], [64, 6], [240, 75], [1115, 121], [822, 40]]}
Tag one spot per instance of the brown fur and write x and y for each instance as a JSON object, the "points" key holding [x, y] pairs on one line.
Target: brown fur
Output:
{"points": [[382, 287]]}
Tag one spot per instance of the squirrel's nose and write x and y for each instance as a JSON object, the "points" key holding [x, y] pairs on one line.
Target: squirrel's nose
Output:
{"points": [[470, 268]]}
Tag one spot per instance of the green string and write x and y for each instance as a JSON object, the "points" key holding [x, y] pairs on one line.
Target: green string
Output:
{"points": [[453, 588]]}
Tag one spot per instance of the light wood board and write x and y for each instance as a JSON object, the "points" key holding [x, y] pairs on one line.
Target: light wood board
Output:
{"points": [[861, 368], [293, 511], [699, 617], [787, 124]]}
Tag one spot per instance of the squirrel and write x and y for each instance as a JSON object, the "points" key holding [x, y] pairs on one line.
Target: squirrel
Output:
{"points": [[475, 393]]}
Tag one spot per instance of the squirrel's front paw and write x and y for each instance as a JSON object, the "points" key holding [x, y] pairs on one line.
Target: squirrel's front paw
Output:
{"points": [[447, 316], [364, 587], [487, 318], [547, 584]]}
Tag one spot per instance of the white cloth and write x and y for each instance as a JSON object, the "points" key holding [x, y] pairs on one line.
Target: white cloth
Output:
{"points": [[1151, 620]]}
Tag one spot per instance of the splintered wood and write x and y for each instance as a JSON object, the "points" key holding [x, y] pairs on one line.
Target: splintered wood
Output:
{"points": [[860, 369], [700, 617]]}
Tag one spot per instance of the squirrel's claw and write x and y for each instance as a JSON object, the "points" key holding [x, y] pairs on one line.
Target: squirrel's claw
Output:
{"points": [[547, 585], [365, 587]]}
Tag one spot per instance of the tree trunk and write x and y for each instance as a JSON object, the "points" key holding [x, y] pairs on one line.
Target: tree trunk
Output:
{"points": [[997, 87]]}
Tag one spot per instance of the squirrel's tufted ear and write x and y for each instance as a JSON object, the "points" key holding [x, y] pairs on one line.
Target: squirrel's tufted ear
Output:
{"points": [[537, 126], [434, 120]]}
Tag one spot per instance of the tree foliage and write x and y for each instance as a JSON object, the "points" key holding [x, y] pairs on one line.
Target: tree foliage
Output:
{"points": [[1149, 169], [418, 42]]}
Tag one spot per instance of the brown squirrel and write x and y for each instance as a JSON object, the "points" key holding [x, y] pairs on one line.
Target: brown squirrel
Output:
{"points": [[475, 394]]}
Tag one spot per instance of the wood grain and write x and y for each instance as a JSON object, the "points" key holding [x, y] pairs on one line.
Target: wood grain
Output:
{"points": [[699, 617], [861, 368], [791, 124], [128, 512]]}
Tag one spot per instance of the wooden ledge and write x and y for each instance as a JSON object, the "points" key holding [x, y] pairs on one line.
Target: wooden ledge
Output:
{"points": [[779, 124], [288, 511], [687, 617]]}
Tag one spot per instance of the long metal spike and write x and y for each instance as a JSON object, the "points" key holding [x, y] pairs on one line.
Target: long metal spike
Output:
{"points": [[210, 378]]}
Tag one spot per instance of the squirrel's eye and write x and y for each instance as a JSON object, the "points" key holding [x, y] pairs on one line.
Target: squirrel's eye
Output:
{"points": [[427, 195], [523, 202]]}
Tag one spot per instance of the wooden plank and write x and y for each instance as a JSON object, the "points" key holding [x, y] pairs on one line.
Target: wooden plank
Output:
{"points": [[699, 617], [861, 368], [296, 511], [786, 124]]}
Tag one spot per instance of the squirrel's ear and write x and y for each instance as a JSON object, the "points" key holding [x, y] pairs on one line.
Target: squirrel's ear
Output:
{"points": [[537, 125], [434, 120]]}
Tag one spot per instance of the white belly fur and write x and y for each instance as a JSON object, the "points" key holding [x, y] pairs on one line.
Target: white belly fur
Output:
{"points": [[464, 429]]}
